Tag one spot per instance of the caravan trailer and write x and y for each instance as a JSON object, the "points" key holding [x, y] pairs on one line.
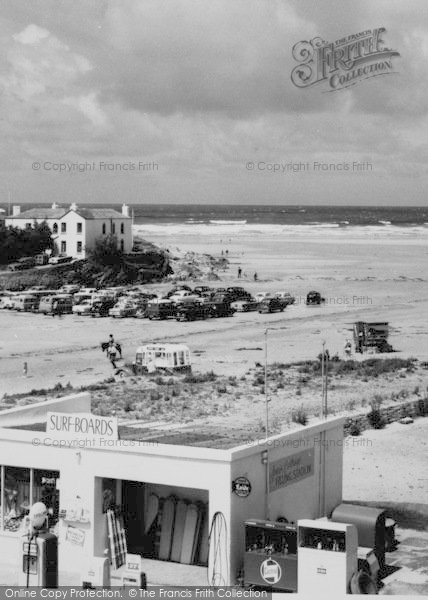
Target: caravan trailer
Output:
{"points": [[162, 356]]}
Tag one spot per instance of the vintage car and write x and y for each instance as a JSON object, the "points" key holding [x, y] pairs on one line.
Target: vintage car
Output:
{"points": [[219, 308], [238, 293], [162, 309], [123, 309], [83, 308], [286, 296], [262, 295], [101, 307], [270, 305], [313, 297], [192, 311], [245, 305], [174, 357]]}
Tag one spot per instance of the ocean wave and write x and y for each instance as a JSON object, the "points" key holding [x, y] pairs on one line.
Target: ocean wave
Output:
{"points": [[327, 230], [225, 222]]}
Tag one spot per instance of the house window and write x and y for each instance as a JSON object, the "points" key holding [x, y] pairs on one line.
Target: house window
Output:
{"points": [[113, 228], [63, 227], [122, 228], [122, 245], [104, 228], [23, 487], [63, 247], [79, 227], [79, 247], [55, 228]]}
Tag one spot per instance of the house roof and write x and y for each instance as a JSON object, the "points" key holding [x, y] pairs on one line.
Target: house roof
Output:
{"points": [[41, 213], [59, 213]]}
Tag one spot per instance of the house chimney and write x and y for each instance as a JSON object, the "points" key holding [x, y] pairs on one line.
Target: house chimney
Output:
{"points": [[16, 210], [125, 210], [54, 205], [73, 206]]}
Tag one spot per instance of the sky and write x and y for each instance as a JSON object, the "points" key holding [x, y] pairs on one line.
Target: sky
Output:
{"points": [[197, 96]]}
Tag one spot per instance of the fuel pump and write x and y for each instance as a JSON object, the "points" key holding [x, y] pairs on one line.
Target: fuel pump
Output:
{"points": [[38, 551]]}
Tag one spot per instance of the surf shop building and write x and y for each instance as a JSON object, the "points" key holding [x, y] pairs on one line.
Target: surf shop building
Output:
{"points": [[115, 492]]}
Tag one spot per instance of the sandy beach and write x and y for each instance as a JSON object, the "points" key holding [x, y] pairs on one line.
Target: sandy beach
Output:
{"points": [[361, 278]]}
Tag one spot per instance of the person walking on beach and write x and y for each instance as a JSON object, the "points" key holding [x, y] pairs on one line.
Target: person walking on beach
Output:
{"points": [[255, 276], [112, 353], [239, 273]]}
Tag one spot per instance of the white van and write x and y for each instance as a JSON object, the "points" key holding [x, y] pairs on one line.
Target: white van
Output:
{"points": [[61, 303], [25, 303]]}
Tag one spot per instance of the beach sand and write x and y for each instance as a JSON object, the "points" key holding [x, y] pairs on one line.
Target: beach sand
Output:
{"points": [[362, 279]]}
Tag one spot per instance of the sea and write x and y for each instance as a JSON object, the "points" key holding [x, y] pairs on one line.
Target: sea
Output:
{"points": [[205, 219]]}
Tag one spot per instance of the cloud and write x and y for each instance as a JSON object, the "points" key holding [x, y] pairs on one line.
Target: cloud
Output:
{"points": [[200, 88]]}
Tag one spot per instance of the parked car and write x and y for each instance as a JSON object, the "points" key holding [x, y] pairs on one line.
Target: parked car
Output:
{"points": [[313, 297], [123, 309], [17, 266], [182, 295], [192, 311], [238, 293], [56, 304], [262, 295], [7, 302], [88, 290], [25, 303], [203, 290], [245, 305], [101, 308], [177, 288], [269, 305], [83, 308], [220, 309], [70, 288], [163, 309], [286, 296], [59, 260]]}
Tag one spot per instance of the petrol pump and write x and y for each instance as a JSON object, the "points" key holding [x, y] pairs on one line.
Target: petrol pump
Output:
{"points": [[38, 552], [327, 556]]}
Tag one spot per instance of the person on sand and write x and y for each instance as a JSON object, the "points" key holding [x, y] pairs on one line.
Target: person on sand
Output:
{"points": [[255, 276], [348, 348], [112, 353], [239, 273]]}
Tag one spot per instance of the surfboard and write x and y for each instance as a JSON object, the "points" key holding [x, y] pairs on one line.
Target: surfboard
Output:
{"points": [[180, 519], [167, 528], [190, 524], [152, 510], [203, 544]]}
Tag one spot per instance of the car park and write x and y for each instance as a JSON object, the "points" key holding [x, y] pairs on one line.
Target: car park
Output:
{"points": [[270, 305]]}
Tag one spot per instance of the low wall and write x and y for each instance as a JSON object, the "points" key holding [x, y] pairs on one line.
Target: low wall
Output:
{"points": [[37, 412], [389, 414]]}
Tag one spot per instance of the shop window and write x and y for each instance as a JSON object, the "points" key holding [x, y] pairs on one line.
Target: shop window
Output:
{"points": [[55, 228], [63, 247], [23, 487], [79, 247], [63, 227], [79, 227], [104, 228], [122, 228]]}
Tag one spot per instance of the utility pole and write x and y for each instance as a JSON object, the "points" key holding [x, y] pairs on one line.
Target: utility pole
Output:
{"points": [[266, 452]]}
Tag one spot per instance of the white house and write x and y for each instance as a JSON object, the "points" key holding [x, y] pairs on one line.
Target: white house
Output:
{"points": [[75, 229]]}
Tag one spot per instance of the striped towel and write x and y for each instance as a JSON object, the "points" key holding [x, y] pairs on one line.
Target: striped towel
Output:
{"points": [[117, 539]]}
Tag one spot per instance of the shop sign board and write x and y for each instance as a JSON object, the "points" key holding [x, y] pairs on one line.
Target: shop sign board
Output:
{"points": [[270, 571], [291, 469], [81, 426], [75, 536]]}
